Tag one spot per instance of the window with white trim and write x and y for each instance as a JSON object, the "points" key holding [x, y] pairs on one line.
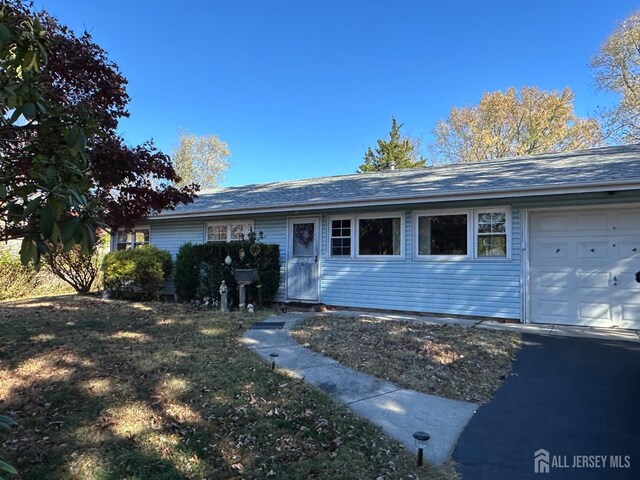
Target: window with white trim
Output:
{"points": [[228, 232], [491, 233], [380, 236], [443, 234], [340, 237], [474, 233], [129, 239]]}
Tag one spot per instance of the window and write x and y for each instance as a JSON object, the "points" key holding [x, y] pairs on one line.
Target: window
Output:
{"points": [[379, 236], [443, 234], [228, 232], [473, 233], [126, 240], [340, 238], [491, 234]]}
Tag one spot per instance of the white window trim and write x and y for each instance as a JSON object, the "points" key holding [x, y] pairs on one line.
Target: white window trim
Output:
{"points": [[472, 233], [132, 244], [352, 219], [356, 248], [228, 225], [432, 213], [507, 229]]}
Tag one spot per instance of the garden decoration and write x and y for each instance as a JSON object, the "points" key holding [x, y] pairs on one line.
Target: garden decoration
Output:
{"points": [[224, 307]]}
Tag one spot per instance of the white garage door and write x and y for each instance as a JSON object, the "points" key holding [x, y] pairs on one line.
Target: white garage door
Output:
{"points": [[583, 265]]}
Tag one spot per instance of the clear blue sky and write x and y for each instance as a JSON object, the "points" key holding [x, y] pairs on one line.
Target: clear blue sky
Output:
{"points": [[300, 89]]}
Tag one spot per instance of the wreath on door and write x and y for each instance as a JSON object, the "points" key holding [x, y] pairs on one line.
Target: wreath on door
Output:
{"points": [[303, 233]]}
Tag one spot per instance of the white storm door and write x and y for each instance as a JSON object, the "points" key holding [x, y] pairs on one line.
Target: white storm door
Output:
{"points": [[302, 259]]}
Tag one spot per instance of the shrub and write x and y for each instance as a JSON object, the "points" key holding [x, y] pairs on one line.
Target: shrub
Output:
{"points": [[19, 281], [137, 272], [200, 269], [186, 273], [75, 268]]}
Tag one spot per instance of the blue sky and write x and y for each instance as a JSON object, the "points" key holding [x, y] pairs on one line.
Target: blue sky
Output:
{"points": [[300, 89]]}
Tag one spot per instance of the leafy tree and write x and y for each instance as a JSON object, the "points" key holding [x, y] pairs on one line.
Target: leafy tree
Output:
{"points": [[514, 123], [44, 168], [201, 160], [617, 70], [64, 169], [398, 151]]}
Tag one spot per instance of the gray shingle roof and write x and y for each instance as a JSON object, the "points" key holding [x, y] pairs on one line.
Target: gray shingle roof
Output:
{"points": [[605, 167]]}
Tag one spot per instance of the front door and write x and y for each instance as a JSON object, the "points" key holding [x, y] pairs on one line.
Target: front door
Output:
{"points": [[302, 259]]}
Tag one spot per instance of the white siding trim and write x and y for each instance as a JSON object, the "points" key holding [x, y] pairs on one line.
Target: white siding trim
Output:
{"points": [[524, 261]]}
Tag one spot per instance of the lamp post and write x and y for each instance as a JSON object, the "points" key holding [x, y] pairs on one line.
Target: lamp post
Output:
{"points": [[421, 439]]}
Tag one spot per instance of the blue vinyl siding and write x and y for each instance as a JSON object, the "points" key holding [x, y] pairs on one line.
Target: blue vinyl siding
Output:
{"points": [[275, 231], [170, 235], [483, 287]]}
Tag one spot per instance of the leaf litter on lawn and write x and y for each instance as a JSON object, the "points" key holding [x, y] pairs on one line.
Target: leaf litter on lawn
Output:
{"points": [[451, 361]]}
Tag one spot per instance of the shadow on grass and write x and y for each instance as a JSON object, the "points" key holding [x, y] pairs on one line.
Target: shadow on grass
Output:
{"points": [[116, 390]]}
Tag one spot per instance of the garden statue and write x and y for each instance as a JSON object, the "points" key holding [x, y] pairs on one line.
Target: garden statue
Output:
{"points": [[223, 297], [250, 308]]}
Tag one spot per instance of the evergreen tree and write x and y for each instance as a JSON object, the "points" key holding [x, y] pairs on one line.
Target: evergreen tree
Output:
{"points": [[399, 152]]}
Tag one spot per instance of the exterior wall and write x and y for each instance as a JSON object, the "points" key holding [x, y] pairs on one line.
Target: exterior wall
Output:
{"points": [[483, 287], [275, 231], [170, 235]]}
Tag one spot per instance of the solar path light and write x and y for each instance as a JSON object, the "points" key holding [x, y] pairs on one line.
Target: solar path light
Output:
{"points": [[273, 363], [421, 439]]}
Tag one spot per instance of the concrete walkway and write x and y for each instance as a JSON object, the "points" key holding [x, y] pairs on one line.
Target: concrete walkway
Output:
{"points": [[399, 412]]}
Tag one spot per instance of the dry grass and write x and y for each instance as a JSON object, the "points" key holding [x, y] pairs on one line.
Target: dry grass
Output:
{"points": [[118, 390], [448, 360]]}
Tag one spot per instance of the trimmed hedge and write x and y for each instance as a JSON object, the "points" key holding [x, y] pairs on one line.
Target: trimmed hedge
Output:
{"points": [[200, 269], [137, 272]]}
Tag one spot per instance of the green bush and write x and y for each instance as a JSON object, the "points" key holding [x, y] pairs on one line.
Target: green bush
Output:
{"points": [[19, 281], [200, 269], [137, 272]]}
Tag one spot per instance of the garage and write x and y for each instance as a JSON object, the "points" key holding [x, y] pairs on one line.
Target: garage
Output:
{"points": [[583, 267]]}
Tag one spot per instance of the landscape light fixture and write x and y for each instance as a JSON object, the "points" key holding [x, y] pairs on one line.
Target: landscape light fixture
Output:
{"points": [[273, 363], [421, 439]]}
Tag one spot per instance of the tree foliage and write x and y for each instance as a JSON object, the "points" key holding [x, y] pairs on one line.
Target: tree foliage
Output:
{"points": [[139, 271], [64, 168], [514, 123], [617, 70], [44, 169], [74, 267], [201, 160], [399, 152]]}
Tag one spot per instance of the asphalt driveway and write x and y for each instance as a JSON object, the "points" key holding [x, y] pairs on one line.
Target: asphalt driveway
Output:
{"points": [[577, 398]]}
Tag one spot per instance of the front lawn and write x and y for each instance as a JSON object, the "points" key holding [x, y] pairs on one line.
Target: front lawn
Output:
{"points": [[446, 360], [122, 390]]}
